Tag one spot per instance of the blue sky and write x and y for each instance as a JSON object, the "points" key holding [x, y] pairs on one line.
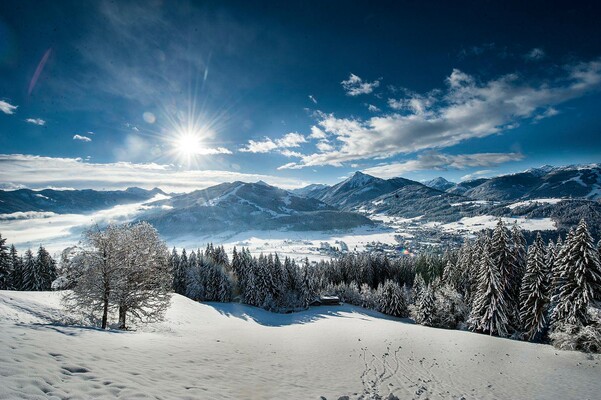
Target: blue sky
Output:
{"points": [[185, 94]]}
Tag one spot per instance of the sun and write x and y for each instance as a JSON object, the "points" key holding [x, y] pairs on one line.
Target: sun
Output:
{"points": [[188, 144]]}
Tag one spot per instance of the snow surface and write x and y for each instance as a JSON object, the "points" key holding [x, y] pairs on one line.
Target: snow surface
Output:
{"points": [[476, 224], [534, 201], [232, 351]]}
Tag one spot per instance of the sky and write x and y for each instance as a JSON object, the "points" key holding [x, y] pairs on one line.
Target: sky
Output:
{"points": [[186, 94]]}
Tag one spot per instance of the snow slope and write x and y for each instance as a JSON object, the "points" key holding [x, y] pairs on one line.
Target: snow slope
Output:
{"points": [[231, 351]]}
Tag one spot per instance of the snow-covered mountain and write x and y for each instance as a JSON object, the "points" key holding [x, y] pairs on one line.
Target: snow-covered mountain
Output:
{"points": [[70, 201], [439, 183], [358, 189], [308, 190], [582, 181], [240, 206]]}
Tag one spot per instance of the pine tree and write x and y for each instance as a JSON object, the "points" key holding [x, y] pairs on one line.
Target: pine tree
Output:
{"points": [[425, 308], [5, 266], [535, 292], [46, 268], [578, 279], [17, 269], [489, 310], [391, 300], [502, 254], [180, 273], [31, 277]]}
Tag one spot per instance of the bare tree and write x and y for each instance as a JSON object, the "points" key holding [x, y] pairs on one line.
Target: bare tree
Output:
{"points": [[93, 270], [143, 287], [122, 266]]}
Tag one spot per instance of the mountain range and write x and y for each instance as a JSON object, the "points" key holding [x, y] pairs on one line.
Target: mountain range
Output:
{"points": [[564, 194]]}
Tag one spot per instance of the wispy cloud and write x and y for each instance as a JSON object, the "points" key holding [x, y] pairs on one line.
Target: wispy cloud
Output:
{"points": [[7, 108], [354, 86], [373, 108], [464, 110], [82, 138], [36, 121], [442, 162], [37, 172], [535, 54], [265, 146]]}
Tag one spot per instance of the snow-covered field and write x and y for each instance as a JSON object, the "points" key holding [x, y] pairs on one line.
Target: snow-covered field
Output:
{"points": [[476, 224], [294, 244], [231, 351]]}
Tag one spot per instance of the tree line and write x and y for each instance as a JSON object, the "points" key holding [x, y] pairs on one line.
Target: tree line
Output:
{"points": [[27, 272], [494, 284]]}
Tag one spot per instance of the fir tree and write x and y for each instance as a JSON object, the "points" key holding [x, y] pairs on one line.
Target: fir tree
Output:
{"points": [[180, 273], [46, 268], [578, 279], [425, 307], [391, 299], [5, 266], [504, 260], [17, 269], [534, 294], [32, 279], [489, 310]]}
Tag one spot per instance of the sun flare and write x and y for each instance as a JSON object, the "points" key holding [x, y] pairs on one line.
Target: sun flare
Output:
{"points": [[188, 144]]}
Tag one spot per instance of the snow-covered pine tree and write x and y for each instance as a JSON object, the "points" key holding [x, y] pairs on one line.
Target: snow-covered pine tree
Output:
{"points": [[501, 252], [32, 279], [309, 286], [224, 293], [391, 300], [46, 267], [535, 292], [520, 253], [419, 285], [578, 280], [5, 266], [180, 273], [16, 268], [489, 310], [425, 307]]}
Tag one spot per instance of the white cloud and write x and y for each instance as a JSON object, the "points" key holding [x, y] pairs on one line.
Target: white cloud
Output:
{"points": [[312, 98], [39, 172], [7, 108], [265, 146], [442, 162], [82, 138], [317, 133], [373, 108], [465, 110], [354, 86], [36, 121], [535, 54], [290, 153], [324, 146]]}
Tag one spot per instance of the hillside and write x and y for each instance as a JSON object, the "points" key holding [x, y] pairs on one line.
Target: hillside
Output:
{"points": [[240, 206], [232, 351]]}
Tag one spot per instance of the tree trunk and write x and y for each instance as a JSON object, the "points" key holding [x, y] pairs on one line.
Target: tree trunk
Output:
{"points": [[122, 312], [105, 312]]}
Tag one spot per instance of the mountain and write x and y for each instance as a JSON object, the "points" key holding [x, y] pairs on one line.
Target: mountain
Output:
{"points": [[546, 182], [440, 183], [356, 190], [240, 206], [308, 191], [70, 201]]}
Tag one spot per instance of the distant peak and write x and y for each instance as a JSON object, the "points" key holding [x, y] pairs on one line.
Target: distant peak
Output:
{"points": [[262, 183]]}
